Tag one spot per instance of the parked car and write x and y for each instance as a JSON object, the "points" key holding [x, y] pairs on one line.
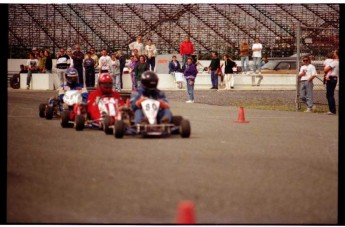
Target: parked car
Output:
{"points": [[286, 66]]}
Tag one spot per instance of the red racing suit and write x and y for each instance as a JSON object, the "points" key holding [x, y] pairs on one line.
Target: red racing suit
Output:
{"points": [[97, 101]]}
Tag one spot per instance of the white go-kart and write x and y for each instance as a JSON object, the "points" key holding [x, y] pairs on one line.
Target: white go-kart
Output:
{"points": [[150, 107]]}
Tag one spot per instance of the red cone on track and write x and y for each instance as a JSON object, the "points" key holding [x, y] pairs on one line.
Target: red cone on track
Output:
{"points": [[241, 118], [185, 213]]}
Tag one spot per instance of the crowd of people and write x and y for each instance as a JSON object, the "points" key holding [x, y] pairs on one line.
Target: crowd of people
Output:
{"points": [[143, 59]]}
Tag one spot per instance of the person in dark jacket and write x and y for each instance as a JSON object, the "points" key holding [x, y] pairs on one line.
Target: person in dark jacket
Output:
{"points": [[89, 66], [174, 65], [214, 66], [48, 65], [229, 66], [190, 72]]}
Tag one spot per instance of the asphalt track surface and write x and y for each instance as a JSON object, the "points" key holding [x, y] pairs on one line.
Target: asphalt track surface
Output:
{"points": [[276, 169]]}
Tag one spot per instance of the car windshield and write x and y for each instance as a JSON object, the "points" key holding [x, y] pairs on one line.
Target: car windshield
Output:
{"points": [[270, 65]]}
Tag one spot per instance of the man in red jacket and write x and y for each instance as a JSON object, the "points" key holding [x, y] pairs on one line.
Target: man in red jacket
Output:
{"points": [[186, 49], [104, 99]]}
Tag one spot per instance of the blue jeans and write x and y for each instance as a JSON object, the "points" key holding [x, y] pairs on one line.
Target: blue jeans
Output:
{"points": [[79, 68], [330, 87], [152, 63], [245, 63], [257, 63], [190, 89], [307, 93], [214, 79], [28, 78], [184, 59], [139, 115]]}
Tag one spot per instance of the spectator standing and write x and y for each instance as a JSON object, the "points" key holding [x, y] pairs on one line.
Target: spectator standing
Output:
{"points": [[186, 49], [150, 52], [89, 66], [332, 75], [244, 54], [306, 74], [229, 64], [190, 72], [115, 68], [78, 58], [256, 48], [138, 44], [104, 64], [141, 67], [48, 65], [32, 65], [62, 63], [70, 55], [122, 60], [94, 57], [41, 60], [213, 67], [132, 65]]}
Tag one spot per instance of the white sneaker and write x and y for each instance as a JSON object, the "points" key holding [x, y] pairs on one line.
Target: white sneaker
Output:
{"points": [[190, 101], [313, 108], [309, 110]]}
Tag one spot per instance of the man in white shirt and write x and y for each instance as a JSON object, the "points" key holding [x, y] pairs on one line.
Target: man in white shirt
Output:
{"points": [[104, 65], [256, 48], [307, 74], [150, 52], [137, 45]]}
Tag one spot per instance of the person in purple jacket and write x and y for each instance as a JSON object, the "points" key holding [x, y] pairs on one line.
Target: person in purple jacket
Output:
{"points": [[190, 72]]}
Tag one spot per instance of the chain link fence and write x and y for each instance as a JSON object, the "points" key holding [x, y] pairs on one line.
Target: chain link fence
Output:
{"points": [[316, 43]]}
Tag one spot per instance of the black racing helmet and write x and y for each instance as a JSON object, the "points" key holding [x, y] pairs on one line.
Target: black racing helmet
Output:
{"points": [[149, 80]]}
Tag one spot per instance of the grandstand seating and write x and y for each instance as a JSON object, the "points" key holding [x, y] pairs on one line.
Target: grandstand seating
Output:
{"points": [[219, 27]]}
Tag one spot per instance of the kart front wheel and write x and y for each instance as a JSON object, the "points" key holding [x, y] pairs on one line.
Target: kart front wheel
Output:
{"points": [[185, 128], [106, 124], [41, 110], [65, 118], [49, 112], [119, 129], [79, 122]]}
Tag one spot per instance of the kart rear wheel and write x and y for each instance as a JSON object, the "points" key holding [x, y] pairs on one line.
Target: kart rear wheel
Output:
{"points": [[41, 110], [119, 129], [49, 112], [185, 128], [79, 122], [176, 120], [106, 124], [65, 119]]}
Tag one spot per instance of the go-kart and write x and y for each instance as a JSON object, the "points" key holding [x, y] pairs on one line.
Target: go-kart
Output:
{"points": [[125, 125], [109, 111], [50, 109], [74, 110]]}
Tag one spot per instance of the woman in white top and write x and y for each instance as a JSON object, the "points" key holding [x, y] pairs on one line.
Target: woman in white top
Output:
{"points": [[332, 75], [150, 52]]}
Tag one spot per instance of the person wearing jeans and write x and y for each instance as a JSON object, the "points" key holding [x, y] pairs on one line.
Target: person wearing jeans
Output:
{"points": [[256, 48], [190, 72], [332, 71], [214, 66], [307, 73], [244, 54]]}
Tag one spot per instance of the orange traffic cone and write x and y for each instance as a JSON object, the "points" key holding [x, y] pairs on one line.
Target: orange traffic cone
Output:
{"points": [[241, 118], [186, 213]]}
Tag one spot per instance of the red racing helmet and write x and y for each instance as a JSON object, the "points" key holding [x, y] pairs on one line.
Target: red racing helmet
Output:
{"points": [[105, 83]]}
